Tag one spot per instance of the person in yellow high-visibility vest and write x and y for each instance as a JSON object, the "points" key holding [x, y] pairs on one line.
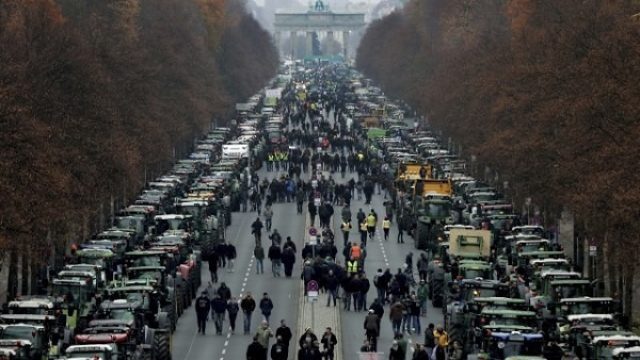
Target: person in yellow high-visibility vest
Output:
{"points": [[345, 227], [386, 226], [371, 225], [363, 233]]}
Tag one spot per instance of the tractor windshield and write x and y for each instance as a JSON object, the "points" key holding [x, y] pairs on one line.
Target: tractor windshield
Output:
{"points": [[18, 332], [502, 348], [121, 314]]}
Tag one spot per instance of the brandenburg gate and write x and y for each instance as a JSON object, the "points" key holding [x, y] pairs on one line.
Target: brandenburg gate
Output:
{"points": [[319, 18]]}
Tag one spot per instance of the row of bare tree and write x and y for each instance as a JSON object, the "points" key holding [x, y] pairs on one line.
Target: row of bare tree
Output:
{"points": [[543, 92], [98, 96]]}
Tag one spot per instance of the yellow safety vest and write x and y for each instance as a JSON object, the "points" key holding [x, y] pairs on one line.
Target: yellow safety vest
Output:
{"points": [[371, 220], [363, 226], [386, 224], [352, 266], [346, 226]]}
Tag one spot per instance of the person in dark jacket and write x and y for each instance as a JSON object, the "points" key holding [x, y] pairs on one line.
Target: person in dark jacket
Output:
{"points": [[308, 337], [202, 311], [248, 305], [364, 287], [233, 308], [284, 332], [213, 266], [331, 284], [329, 342], [372, 329], [378, 309], [224, 292], [288, 259], [266, 306], [231, 256], [279, 350], [275, 255], [219, 308], [313, 211], [255, 350], [290, 243]]}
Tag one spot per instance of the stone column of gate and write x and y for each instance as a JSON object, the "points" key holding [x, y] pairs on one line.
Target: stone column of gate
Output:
{"points": [[309, 48], [292, 38], [277, 38], [345, 44]]}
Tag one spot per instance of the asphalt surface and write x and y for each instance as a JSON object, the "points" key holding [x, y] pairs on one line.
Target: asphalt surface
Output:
{"points": [[285, 293]]}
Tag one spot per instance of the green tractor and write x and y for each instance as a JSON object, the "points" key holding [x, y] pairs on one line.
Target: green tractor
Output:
{"points": [[77, 300], [462, 309], [141, 308], [164, 285]]}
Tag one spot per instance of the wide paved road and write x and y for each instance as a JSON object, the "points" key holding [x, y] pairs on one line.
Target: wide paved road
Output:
{"points": [[285, 293]]}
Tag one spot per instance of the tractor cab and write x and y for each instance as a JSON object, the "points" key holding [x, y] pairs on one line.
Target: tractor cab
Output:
{"points": [[34, 305], [15, 349], [626, 353], [34, 337], [602, 347]]}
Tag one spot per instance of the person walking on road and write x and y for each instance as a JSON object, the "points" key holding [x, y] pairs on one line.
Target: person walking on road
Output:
{"points": [[219, 308], [275, 255], [442, 342], [331, 283], [279, 350], [224, 292], [284, 332], [423, 294], [329, 342], [288, 259], [248, 305], [202, 311], [231, 255], [396, 313], [345, 227], [419, 352], [313, 211], [395, 353], [429, 338], [258, 252], [233, 309], [266, 306], [256, 231], [386, 226], [213, 267], [264, 334], [363, 233], [371, 328], [255, 351], [268, 217]]}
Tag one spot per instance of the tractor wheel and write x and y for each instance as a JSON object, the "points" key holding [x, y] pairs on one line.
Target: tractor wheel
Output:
{"points": [[161, 347], [438, 293], [455, 333], [170, 310]]}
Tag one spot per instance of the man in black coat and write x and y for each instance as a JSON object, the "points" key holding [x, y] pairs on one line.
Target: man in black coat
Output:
{"points": [[288, 259], [255, 351], [202, 311]]}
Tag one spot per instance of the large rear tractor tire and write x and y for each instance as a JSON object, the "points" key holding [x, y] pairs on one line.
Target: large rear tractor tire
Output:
{"points": [[161, 346]]}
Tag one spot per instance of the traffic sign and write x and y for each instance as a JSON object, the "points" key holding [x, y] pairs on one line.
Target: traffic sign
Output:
{"points": [[313, 240], [593, 250], [312, 288], [313, 231]]}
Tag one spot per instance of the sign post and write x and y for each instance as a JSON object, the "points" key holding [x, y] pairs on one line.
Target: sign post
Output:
{"points": [[312, 294]]}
